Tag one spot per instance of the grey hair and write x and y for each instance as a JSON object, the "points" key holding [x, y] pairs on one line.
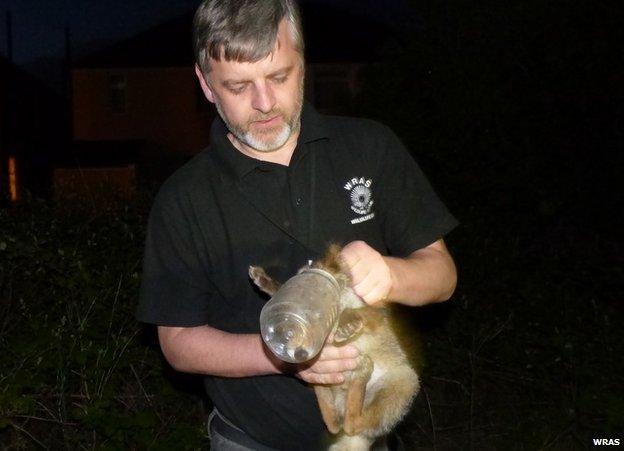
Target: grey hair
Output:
{"points": [[242, 30]]}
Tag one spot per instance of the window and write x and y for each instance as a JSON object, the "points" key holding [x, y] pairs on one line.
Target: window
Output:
{"points": [[13, 183], [117, 84]]}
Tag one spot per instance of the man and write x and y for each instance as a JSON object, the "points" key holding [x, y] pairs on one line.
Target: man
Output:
{"points": [[278, 184]]}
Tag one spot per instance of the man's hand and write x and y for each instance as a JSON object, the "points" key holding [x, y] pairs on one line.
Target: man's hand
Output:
{"points": [[371, 278], [206, 350], [426, 275], [329, 366]]}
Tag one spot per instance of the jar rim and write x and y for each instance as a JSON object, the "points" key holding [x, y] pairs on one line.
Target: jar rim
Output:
{"points": [[329, 276]]}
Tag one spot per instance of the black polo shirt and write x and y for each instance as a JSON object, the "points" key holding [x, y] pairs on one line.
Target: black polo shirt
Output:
{"points": [[349, 179]]}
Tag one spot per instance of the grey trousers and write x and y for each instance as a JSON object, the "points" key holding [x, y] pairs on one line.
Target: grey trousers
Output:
{"points": [[219, 442], [237, 440]]}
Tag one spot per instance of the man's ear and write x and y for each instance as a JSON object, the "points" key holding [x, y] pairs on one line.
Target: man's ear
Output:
{"points": [[204, 86]]}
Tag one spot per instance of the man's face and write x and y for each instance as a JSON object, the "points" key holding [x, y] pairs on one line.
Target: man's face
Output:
{"points": [[259, 102]]}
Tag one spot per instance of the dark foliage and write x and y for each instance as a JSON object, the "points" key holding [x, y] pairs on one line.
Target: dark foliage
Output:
{"points": [[76, 369]]}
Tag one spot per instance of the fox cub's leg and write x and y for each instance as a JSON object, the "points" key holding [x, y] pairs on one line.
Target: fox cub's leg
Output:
{"points": [[350, 324], [355, 395], [388, 406], [263, 281], [327, 404]]}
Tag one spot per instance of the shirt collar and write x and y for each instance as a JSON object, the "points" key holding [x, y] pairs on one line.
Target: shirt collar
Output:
{"points": [[313, 128], [313, 125]]}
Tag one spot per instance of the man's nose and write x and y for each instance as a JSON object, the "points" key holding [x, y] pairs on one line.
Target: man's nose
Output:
{"points": [[264, 98]]}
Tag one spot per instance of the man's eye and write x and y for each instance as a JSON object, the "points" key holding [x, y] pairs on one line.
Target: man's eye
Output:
{"points": [[279, 80], [237, 89]]}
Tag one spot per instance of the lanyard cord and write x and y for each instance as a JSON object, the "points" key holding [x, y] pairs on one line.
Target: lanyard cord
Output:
{"points": [[312, 194]]}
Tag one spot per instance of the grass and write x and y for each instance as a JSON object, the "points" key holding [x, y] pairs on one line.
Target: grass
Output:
{"points": [[76, 370]]}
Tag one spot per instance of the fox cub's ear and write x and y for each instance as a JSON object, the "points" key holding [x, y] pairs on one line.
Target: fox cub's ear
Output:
{"points": [[331, 262], [263, 281]]}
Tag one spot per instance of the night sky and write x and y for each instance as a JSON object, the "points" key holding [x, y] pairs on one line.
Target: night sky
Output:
{"points": [[38, 25]]}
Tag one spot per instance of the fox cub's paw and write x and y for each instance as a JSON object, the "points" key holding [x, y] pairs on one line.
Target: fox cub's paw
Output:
{"points": [[350, 325]]}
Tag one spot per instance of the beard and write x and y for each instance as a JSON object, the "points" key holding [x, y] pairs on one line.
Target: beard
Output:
{"points": [[271, 138]]}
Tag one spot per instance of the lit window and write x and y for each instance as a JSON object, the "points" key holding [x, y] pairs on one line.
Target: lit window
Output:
{"points": [[13, 190]]}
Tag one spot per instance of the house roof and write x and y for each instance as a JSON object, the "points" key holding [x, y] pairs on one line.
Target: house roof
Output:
{"points": [[332, 33], [27, 99]]}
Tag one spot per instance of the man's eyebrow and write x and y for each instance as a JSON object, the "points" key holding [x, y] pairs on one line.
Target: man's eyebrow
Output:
{"points": [[234, 81], [230, 82], [283, 71]]}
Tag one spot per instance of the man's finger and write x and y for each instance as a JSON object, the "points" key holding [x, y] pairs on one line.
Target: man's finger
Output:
{"points": [[352, 253], [349, 260], [327, 378], [330, 352], [360, 274], [377, 294], [333, 366], [365, 286]]}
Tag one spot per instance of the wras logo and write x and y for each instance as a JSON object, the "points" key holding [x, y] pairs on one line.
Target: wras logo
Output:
{"points": [[361, 196], [606, 442]]}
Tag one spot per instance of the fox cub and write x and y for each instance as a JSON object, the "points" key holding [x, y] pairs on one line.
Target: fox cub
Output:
{"points": [[378, 393]]}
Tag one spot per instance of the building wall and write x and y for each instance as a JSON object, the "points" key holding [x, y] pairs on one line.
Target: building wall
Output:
{"points": [[158, 105], [165, 106]]}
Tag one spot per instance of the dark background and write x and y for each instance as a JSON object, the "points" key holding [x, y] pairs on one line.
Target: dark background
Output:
{"points": [[514, 110]]}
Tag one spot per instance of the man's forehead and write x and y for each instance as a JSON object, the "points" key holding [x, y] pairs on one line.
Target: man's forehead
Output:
{"points": [[235, 65], [272, 63], [243, 70], [281, 55]]}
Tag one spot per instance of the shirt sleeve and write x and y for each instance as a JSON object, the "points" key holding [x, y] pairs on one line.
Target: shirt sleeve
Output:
{"points": [[175, 290], [413, 216]]}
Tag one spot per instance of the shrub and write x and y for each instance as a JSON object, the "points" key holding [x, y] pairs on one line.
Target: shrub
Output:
{"points": [[75, 370]]}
